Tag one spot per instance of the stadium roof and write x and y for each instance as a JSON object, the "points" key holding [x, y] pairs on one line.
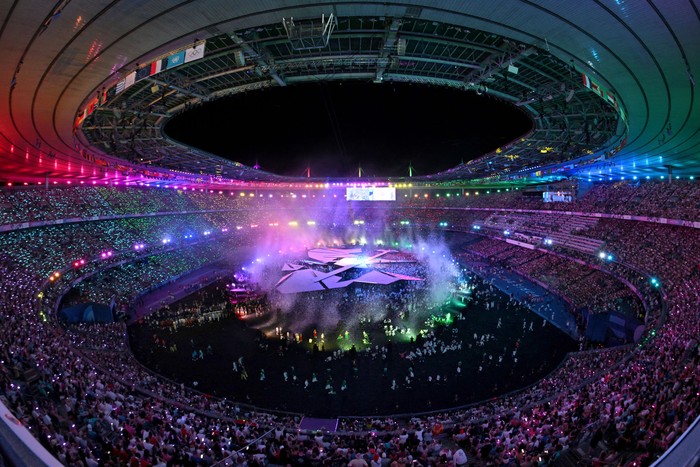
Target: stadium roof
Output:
{"points": [[87, 85]]}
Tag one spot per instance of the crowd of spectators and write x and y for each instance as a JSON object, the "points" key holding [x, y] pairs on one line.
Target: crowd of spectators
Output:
{"points": [[92, 404], [570, 279]]}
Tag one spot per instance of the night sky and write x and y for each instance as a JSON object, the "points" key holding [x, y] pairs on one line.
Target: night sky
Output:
{"points": [[336, 127]]}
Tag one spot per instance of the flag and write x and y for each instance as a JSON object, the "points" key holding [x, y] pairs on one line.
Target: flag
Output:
{"points": [[143, 72], [155, 67], [194, 53], [130, 79], [121, 85], [586, 80], [596, 89], [612, 100], [176, 59], [81, 117]]}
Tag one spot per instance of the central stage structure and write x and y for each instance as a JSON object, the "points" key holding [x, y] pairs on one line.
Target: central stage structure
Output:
{"points": [[310, 275]]}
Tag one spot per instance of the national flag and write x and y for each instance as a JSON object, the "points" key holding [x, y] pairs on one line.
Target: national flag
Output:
{"points": [[81, 117], [586, 80], [155, 67], [143, 72], [612, 100], [176, 59], [121, 85], [130, 79], [91, 106], [596, 89], [194, 53]]}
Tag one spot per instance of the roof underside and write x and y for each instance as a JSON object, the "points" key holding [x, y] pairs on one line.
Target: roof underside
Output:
{"points": [[63, 62]]}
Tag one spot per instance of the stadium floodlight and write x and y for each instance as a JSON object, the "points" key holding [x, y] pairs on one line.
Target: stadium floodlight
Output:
{"points": [[601, 255]]}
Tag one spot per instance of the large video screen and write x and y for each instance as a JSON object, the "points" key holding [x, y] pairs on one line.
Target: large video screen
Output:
{"points": [[371, 194], [556, 197]]}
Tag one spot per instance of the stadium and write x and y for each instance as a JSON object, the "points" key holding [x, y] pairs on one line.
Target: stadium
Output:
{"points": [[533, 303]]}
